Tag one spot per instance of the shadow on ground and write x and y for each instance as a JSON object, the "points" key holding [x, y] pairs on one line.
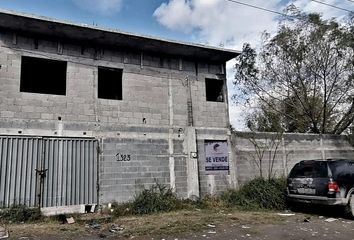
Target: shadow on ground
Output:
{"points": [[321, 210]]}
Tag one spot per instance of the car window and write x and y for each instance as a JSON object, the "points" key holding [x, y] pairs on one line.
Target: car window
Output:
{"points": [[341, 168], [313, 169]]}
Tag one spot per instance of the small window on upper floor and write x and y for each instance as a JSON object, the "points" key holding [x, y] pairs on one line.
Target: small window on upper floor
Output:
{"points": [[110, 83], [39, 75], [214, 90]]}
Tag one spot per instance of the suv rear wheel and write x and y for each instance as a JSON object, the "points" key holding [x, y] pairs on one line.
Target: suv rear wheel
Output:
{"points": [[350, 207]]}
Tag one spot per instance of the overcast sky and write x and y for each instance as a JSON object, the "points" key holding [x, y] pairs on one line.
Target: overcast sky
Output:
{"points": [[212, 22]]}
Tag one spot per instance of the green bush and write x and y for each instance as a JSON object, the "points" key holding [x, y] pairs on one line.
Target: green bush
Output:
{"points": [[254, 195], [122, 209], [157, 198], [208, 202], [20, 213], [258, 194]]}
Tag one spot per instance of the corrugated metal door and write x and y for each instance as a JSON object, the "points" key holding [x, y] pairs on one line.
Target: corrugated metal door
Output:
{"points": [[47, 171], [19, 159], [71, 172]]}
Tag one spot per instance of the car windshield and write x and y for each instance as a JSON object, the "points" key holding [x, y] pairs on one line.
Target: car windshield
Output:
{"points": [[311, 169]]}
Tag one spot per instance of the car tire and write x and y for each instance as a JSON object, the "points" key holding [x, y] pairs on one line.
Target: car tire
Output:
{"points": [[350, 207]]}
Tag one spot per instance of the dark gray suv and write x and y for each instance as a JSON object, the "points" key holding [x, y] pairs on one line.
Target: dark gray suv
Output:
{"points": [[329, 182]]}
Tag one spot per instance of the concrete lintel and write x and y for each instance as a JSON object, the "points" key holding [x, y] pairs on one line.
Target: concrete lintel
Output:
{"points": [[83, 134], [212, 137]]}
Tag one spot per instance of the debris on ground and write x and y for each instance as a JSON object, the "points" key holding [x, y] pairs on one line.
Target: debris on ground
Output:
{"points": [[211, 225], [101, 235], [70, 220], [331, 219], [61, 218], [93, 225], [286, 214], [3, 233], [307, 219], [245, 227], [116, 228]]}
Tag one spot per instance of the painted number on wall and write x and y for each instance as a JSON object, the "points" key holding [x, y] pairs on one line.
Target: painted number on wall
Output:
{"points": [[122, 157]]}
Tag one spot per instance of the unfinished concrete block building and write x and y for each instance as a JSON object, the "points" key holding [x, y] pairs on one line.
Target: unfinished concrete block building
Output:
{"points": [[91, 115]]}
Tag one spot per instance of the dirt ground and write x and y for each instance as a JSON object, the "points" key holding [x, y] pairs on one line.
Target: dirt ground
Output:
{"points": [[200, 224], [292, 228]]}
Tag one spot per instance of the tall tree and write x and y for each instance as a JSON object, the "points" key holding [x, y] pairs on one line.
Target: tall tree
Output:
{"points": [[302, 78]]}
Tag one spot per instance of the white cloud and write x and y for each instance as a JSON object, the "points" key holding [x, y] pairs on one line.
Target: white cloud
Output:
{"points": [[102, 7], [222, 21], [218, 22]]}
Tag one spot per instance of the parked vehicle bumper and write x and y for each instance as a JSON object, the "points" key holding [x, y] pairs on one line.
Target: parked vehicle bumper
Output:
{"points": [[316, 200]]}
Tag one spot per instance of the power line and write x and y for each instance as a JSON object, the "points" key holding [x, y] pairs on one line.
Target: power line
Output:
{"points": [[285, 15], [259, 8], [330, 5]]}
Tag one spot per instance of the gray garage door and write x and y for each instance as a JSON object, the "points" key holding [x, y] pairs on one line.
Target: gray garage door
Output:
{"points": [[47, 171]]}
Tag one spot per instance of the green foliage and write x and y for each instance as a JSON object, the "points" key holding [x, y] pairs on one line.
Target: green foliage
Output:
{"points": [[20, 213], [302, 78], [209, 202], [257, 194], [265, 119], [157, 198], [122, 209]]}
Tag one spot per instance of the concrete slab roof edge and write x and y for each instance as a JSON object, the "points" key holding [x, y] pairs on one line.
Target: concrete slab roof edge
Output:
{"points": [[41, 25]]}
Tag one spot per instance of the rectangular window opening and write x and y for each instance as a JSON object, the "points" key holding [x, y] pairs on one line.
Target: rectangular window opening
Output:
{"points": [[44, 76], [110, 83], [214, 90]]}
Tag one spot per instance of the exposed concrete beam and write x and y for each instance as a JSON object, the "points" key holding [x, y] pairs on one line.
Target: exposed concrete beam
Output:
{"points": [[192, 163], [44, 26]]}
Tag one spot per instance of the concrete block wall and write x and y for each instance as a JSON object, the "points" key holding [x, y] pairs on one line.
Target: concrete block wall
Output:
{"points": [[155, 88], [207, 113], [292, 148], [138, 165], [145, 87]]}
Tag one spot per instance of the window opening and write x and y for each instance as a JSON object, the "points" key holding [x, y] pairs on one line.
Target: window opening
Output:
{"points": [[214, 90], [44, 76], [110, 83]]}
